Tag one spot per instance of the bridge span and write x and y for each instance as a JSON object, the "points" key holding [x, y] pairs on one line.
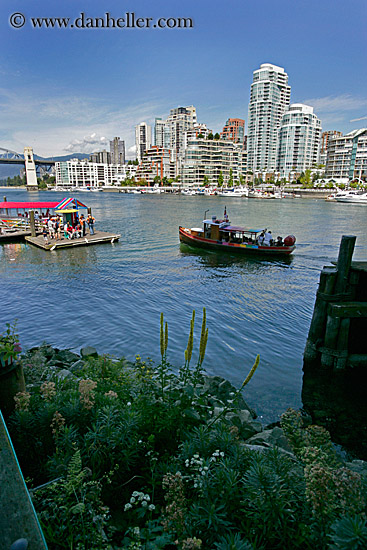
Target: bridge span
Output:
{"points": [[27, 159]]}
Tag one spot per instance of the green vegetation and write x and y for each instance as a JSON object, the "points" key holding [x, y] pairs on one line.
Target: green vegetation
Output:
{"points": [[16, 181], [138, 456]]}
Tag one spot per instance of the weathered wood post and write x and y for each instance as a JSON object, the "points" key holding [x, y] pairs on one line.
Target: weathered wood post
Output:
{"points": [[344, 261], [32, 223], [332, 353], [318, 322], [323, 336]]}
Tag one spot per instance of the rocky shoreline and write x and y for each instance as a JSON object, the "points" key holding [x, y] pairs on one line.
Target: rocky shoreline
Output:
{"points": [[52, 364]]}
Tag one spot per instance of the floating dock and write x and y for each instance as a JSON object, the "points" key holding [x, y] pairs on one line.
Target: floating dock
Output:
{"points": [[87, 240]]}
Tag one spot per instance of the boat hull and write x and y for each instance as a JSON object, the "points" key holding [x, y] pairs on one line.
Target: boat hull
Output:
{"points": [[243, 249]]}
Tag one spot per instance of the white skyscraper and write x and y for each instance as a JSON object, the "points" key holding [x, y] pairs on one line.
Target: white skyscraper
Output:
{"points": [[299, 139], [143, 139], [270, 98]]}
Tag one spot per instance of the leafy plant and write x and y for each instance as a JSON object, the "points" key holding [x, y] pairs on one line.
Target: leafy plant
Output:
{"points": [[9, 343]]}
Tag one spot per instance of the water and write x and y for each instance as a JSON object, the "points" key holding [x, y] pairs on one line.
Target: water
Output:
{"points": [[111, 296]]}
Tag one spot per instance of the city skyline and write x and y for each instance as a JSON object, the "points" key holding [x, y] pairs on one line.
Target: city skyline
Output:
{"points": [[64, 90]]}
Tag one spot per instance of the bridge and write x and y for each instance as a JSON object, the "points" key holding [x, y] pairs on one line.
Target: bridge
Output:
{"points": [[27, 159]]}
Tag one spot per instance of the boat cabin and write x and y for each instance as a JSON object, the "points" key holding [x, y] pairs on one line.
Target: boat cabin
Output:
{"points": [[223, 231]]}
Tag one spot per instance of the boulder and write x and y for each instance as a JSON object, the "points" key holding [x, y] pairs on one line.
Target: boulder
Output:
{"points": [[274, 437], [88, 351], [77, 366], [242, 419], [222, 389], [63, 374], [54, 373], [267, 449], [66, 356]]}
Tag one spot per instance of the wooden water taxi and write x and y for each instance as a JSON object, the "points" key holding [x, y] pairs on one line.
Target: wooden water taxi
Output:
{"points": [[220, 235]]}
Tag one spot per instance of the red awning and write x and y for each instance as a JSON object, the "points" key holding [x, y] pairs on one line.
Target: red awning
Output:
{"points": [[28, 205]]}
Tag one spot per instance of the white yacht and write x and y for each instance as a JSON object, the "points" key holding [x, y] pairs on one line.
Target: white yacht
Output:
{"points": [[353, 197]]}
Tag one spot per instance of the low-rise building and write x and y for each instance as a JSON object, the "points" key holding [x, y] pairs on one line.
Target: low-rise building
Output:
{"points": [[83, 173]]}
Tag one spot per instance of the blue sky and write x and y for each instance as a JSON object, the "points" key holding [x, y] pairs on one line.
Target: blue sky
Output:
{"points": [[70, 90]]}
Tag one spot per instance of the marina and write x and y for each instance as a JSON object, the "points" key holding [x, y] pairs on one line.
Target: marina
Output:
{"points": [[49, 225], [264, 305]]}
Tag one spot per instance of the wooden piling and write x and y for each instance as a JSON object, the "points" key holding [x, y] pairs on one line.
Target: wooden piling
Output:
{"points": [[32, 223], [318, 322], [344, 262], [328, 336]]}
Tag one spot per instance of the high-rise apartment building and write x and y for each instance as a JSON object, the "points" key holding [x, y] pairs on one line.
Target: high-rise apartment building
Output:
{"points": [[143, 139], [269, 99], [299, 140], [347, 156], [325, 138], [161, 134], [156, 163], [117, 150], [234, 130], [210, 158]]}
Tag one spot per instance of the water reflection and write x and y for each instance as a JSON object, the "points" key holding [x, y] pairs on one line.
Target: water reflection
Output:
{"points": [[209, 258]]}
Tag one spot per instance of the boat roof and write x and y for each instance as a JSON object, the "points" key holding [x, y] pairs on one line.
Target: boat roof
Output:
{"points": [[67, 202], [241, 229], [13, 204], [226, 226]]}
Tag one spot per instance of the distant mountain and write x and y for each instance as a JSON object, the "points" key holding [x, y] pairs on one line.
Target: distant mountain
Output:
{"points": [[11, 171]]}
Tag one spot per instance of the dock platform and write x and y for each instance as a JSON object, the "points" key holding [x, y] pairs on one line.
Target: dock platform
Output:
{"points": [[87, 240]]}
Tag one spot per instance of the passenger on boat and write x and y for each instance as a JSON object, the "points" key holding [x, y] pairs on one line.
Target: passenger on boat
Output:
{"points": [[279, 241], [268, 238], [66, 234], [261, 238]]}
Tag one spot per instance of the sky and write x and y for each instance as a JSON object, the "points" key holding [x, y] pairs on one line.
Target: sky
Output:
{"points": [[66, 90]]}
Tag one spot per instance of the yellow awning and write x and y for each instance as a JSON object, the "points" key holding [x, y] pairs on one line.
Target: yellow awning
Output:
{"points": [[66, 211]]}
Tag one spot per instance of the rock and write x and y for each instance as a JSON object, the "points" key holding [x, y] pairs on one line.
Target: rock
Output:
{"points": [[222, 389], [66, 356], [47, 351], [267, 449], [88, 351], [77, 366], [274, 437], [20, 544], [63, 374]]}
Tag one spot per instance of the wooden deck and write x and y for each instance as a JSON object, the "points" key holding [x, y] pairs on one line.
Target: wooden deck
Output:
{"points": [[53, 244], [14, 236]]}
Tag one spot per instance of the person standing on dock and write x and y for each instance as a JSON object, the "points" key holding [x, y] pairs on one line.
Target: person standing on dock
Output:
{"points": [[90, 222], [82, 223]]}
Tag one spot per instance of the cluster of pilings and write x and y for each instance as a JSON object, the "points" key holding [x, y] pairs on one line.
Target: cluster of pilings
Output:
{"points": [[338, 332]]}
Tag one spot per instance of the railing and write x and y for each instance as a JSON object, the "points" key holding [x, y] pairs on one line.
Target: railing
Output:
{"points": [[12, 225]]}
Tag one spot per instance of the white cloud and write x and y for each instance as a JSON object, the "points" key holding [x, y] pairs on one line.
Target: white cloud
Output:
{"points": [[358, 119], [88, 144], [132, 150], [53, 125], [344, 102]]}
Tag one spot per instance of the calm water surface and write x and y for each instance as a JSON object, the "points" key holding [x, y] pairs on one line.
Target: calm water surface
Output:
{"points": [[111, 296]]}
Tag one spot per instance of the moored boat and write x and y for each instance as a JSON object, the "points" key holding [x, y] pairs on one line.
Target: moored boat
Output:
{"points": [[221, 235]]}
